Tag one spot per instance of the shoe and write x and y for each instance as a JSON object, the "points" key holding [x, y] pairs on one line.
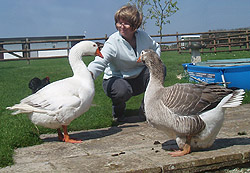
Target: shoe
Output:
{"points": [[121, 119]]}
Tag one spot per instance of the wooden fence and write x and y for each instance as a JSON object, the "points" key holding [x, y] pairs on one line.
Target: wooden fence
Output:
{"points": [[211, 42], [26, 50]]}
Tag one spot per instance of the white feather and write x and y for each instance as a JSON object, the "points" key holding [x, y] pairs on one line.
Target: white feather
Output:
{"points": [[62, 101], [236, 99]]}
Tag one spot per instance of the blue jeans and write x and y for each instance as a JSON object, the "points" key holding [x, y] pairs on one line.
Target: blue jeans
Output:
{"points": [[120, 90]]}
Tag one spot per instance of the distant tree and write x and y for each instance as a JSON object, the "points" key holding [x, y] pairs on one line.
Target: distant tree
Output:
{"points": [[140, 4], [160, 11]]}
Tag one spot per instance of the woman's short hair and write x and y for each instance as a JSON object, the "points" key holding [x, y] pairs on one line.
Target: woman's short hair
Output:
{"points": [[130, 14]]}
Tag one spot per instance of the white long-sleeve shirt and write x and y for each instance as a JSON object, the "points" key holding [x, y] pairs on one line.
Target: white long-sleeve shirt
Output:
{"points": [[120, 58]]}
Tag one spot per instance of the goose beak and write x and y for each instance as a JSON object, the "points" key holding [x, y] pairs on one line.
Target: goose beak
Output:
{"points": [[98, 53], [139, 59]]}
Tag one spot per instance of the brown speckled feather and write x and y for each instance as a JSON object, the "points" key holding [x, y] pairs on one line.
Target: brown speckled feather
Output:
{"points": [[191, 113], [192, 99]]}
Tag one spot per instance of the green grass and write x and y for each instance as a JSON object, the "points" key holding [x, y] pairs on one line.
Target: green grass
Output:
{"points": [[18, 131]]}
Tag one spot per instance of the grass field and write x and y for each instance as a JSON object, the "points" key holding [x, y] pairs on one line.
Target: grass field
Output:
{"points": [[18, 131]]}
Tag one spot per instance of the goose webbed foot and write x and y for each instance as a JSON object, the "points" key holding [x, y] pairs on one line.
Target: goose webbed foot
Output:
{"points": [[185, 150], [65, 137], [70, 140]]}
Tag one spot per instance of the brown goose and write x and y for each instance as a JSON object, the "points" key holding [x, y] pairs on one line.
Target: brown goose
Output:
{"points": [[190, 113]]}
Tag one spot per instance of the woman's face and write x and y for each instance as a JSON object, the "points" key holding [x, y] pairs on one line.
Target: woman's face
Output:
{"points": [[125, 28]]}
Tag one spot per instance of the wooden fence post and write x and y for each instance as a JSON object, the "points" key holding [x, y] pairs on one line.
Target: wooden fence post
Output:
{"points": [[229, 43], [214, 44], [68, 46], [247, 40], [106, 37], [26, 48], [210, 41], [177, 42], [1, 53], [202, 43]]}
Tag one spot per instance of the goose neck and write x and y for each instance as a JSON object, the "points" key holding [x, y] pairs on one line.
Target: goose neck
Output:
{"points": [[76, 63], [157, 75]]}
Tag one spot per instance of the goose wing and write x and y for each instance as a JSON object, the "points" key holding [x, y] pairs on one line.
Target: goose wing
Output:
{"points": [[192, 99], [53, 97]]}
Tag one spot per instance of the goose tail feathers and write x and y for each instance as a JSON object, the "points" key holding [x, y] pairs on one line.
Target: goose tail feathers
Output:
{"points": [[25, 108], [235, 99]]}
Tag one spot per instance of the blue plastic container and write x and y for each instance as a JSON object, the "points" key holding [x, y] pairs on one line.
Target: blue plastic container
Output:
{"points": [[237, 74]]}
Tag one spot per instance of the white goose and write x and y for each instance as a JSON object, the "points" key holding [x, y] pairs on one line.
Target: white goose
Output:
{"points": [[190, 113], [60, 102]]}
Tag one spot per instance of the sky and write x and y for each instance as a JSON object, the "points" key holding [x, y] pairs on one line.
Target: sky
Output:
{"points": [[95, 18]]}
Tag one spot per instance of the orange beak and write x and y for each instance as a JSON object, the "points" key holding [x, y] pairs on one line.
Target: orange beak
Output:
{"points": [[98, 53], [139, 59]]}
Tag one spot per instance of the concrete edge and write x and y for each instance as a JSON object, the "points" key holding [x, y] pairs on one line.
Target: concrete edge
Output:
{"points": [[200, 165]]}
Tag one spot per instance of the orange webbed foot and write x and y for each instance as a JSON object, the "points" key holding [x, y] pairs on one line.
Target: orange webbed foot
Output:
{"points": [[66, 136], [177, 153], [71, 140], [186, 150]]}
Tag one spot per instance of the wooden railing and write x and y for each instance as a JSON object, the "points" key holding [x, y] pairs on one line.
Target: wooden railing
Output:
{"points": [[212, 41], [26, 44]]}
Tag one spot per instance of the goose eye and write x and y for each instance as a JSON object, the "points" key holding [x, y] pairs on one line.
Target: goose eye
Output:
{"points": [[94, 45]]}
